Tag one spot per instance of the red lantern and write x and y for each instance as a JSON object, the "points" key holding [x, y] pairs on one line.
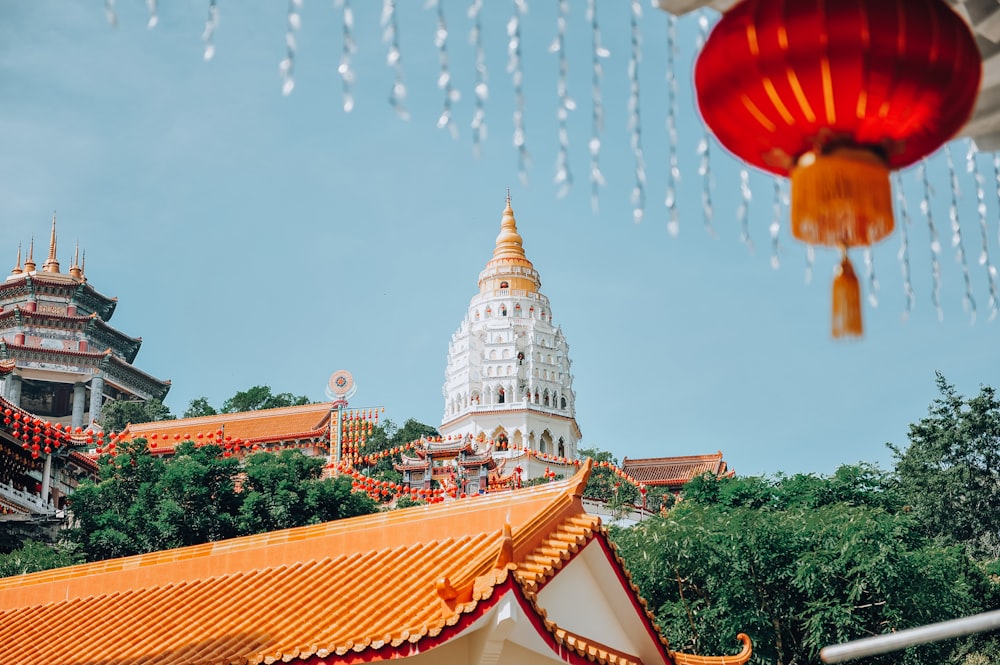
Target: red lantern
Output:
{"points": [[835, 94]]}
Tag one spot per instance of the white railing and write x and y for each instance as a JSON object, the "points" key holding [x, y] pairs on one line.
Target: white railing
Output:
{"points": [[26, 499]]}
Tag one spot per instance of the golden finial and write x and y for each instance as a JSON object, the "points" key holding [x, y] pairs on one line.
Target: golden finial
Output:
{"points": [[29, 265], [509, 240], [52, 264], [17, 268], [74, 269]]}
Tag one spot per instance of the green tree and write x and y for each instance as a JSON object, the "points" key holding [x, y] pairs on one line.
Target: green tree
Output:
{"points": [[116, 415], [950, 472], [798, 563], [284, 490], [199, 406], [387, 436], [142, 503], [261, 397], [604, 485], [34, 556]]}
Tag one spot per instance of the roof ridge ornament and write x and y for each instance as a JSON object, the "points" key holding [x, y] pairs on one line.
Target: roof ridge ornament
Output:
{"points": [[17, 268], [52, 263], [29, 264]]}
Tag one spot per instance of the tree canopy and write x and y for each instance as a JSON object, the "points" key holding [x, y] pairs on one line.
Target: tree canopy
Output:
{"points": [[116, 415], [950, 472], [144, 503], [251, 399], [798, 562]]}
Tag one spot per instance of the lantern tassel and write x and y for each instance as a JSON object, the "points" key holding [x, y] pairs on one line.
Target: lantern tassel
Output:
{"points": [[846, 301], [841, 197]]}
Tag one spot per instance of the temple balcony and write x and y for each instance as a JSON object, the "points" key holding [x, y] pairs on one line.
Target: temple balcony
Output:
{"points": [[27, 500]]}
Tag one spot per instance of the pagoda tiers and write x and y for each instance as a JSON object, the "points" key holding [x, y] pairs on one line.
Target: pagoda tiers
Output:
{"points": [[462, 463], [514, 578], [674, 472], [508, 374], [68, 360]]}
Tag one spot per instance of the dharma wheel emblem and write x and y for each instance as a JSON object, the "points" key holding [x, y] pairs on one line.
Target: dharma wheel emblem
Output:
{"points": [[341, 384]]}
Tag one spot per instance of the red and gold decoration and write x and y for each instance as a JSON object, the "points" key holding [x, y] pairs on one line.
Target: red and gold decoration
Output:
{"points": [[835, 95]]}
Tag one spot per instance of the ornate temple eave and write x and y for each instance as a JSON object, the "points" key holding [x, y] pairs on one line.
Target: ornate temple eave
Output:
{"points": [[92, 300], [59, 285], [99, 333], [128, 376], [24, 354]]}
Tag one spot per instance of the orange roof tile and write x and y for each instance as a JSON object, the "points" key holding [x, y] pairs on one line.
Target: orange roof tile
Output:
{"points": [[673, 472], [295, 594], [287, 423]]}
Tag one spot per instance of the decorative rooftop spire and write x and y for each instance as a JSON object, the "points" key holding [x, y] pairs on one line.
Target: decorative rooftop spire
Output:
{"points": [[17, 268], [29, 264], [75, 269], [52, 263], [509, 242], [509, 268]]}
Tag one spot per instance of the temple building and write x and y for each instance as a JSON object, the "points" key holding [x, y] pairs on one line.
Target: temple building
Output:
{"points": [[674, 472], [41, 463], [309, 428], [508, 376], [68, 360], [463, 463], [497, 579]]}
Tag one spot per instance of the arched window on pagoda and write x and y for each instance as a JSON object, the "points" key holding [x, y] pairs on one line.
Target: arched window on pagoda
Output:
{"points": [[545, 397], [520, 357], [562, 447], [500, 395], [562, 403], [503, 310], [501, 441], [504, 285]]}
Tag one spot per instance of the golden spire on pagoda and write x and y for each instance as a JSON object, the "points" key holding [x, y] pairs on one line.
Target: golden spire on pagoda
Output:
{"points": [[509, 242], [17, 269], [509, 268], [75, 270], [52, 263], [29, 264]]}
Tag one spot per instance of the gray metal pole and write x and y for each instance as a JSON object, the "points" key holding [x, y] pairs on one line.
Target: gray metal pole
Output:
{"points": [[872, 646]]}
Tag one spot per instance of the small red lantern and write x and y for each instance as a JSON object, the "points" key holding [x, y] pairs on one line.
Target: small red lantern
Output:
{"points": [[835, 95]]}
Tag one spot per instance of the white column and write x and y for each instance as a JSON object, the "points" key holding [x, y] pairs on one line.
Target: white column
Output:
{"points": [[96, 397], [79, 402], [14, 389]]}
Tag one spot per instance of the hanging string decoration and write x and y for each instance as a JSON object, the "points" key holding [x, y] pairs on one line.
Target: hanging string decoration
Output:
{"points": [[673, 167], [347, 52], [451, 95], [984, 254], [208, 34], [516, 71], [564, 176], [482, 89], [704, 145], [968, 301], [634, 118], [830, 97], [598, 52], [394, 58], [935, 242], [154, 18], [287, 65], [904, 246]]}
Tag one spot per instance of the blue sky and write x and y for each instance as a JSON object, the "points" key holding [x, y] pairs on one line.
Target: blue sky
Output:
{"points": [[255, 238]]}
